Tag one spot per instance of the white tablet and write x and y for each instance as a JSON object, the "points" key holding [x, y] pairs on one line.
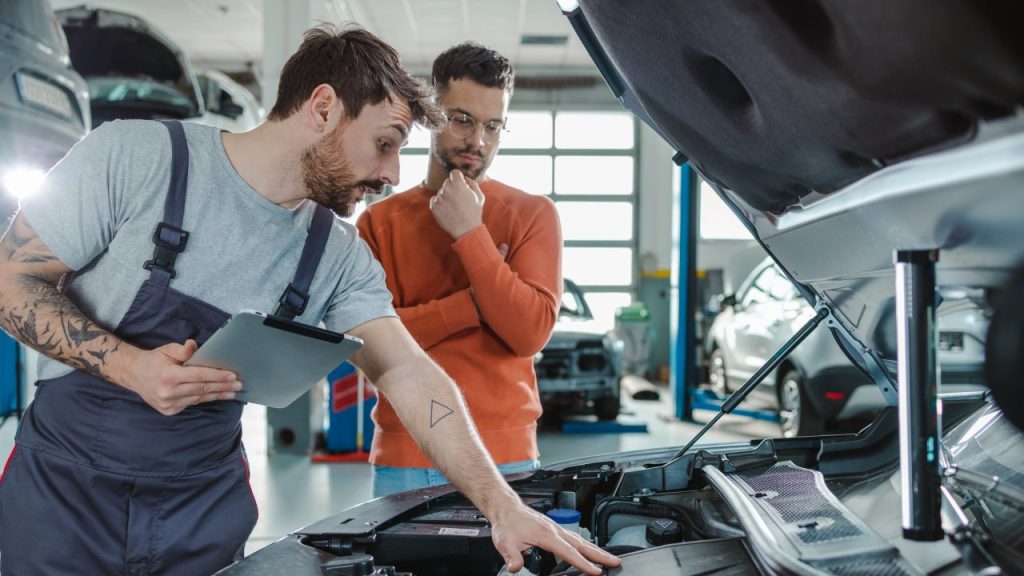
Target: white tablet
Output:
{"points": [[276, 360]]}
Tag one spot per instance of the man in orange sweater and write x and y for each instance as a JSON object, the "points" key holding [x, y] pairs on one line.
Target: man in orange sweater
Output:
{"points": [[475, 270]]}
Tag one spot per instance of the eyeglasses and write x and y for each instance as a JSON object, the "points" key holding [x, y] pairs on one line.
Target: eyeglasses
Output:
{"points": [[463, 125]]}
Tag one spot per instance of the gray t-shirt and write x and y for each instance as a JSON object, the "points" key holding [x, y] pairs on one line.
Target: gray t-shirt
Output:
{"points": [[99, 206]]}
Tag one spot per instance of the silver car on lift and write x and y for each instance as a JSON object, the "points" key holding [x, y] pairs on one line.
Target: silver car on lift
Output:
{"points": [[44, 103], [817, 385]]}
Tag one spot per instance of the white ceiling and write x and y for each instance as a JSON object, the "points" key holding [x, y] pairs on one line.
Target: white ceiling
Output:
{"points": [[229, 33]]}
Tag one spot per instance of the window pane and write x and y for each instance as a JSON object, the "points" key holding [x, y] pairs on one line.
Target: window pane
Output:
{"points": [[598, 266], [527, 130], [604, 304], [528, 173], [717, 222], [596, 220], [412, 170], [606, 130], [594, 175], [419, 137]]}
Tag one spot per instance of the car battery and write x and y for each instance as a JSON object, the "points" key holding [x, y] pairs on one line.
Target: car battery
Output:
{"points": [[351, 397]]}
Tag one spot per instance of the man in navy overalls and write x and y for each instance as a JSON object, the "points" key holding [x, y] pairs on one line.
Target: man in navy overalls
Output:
{"points": [[143, 241]]}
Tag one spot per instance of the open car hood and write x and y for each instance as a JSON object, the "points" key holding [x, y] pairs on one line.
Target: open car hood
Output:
{"points": [[838, 132], [107, 43]]}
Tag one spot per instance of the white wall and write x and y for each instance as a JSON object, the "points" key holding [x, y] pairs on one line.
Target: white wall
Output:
{"points": [[655, 202]]}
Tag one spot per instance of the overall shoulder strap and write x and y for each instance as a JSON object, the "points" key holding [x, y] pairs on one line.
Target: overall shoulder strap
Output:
{"points": [[169, 238], [295, 297]]}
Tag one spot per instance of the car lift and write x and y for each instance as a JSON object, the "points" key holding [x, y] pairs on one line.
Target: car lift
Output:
{"points": [[685, 372]]}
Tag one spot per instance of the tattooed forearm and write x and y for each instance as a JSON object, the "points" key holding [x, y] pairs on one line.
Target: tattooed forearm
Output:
{"points": [[38, 314], [50, 323]]}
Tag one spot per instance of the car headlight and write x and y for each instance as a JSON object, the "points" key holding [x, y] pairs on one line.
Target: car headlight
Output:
{"points": [[21, 182]]}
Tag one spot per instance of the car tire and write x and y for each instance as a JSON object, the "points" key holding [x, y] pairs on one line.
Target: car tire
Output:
{"points": [[717, 380], [797, 415], [606, 408]]}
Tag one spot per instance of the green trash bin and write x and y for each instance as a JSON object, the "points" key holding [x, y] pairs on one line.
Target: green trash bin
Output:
{"points": [[633, 326]]}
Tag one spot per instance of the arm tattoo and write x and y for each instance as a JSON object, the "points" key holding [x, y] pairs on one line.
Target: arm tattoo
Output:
{"points": [[38, 314], [23, 246], [438, 412], [49, 322]]}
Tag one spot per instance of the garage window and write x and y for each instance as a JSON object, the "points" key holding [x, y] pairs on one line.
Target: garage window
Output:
{"points": [[585, 162]]}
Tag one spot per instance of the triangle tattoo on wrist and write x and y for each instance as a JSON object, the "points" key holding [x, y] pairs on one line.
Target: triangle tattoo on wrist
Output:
{"points": [[438, 412]]}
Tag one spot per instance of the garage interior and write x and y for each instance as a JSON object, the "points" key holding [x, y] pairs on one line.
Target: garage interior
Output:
{"points": [[655, 261], [617, 222]]}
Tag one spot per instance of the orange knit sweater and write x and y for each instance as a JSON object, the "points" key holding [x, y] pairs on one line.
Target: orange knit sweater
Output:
{"points": [[489, 354]]}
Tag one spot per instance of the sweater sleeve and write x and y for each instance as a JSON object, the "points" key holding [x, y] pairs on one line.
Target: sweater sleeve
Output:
{"points": [[518, 298], [432, 322]]}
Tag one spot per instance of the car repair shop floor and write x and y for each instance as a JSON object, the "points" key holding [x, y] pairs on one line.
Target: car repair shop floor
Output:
{"points": [[293, 492]]}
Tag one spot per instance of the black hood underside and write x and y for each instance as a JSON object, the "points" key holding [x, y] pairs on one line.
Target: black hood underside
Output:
{"points": [[775, 99]]}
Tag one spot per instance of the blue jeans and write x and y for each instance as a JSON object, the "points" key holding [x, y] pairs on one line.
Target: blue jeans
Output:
{"points": [[391, 479]]}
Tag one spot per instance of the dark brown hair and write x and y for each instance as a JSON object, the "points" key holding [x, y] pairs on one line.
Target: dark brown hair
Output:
{"points": [[360, 67], [478, 63]]}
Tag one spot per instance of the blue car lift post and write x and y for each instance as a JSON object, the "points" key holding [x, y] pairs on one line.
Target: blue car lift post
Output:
{"points": [[10, 378], [685, 371]]}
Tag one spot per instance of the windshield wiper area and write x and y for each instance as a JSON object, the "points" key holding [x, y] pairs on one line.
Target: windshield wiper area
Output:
{"points": [[966, 538], [992, 486]]}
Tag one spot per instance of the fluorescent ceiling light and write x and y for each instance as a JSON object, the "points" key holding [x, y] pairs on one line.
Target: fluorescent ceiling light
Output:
{"points": [[568, 6]]}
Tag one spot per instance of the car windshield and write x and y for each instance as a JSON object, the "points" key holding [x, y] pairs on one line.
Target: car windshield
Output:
{"points": [[122, 91]]}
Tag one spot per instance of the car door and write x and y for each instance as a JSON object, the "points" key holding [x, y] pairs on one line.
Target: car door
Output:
{"points": [[746, 335]]}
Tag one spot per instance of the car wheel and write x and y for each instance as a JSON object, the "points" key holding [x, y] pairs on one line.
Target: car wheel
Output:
{"points": [[716, 373], [797, 415], [607, 408]]}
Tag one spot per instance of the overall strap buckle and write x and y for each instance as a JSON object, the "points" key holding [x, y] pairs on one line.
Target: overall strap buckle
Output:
{"points": [[169, 241], [292, 302]]}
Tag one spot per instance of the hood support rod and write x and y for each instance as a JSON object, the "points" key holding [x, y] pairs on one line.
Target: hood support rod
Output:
{"points": [[734, 400]]}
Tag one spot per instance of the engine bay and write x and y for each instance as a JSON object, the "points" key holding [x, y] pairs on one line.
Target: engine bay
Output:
{"points": [[814, 505]]}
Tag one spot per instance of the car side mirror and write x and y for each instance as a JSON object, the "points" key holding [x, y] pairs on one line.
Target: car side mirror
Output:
{"points": [[729, 301]]}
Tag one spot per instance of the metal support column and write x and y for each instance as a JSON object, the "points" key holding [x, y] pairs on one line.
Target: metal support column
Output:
{"points": [[918, 394], [683, 359]]}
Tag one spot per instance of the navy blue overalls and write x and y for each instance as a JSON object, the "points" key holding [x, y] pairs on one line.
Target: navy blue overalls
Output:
{"points": [[100, 482]]}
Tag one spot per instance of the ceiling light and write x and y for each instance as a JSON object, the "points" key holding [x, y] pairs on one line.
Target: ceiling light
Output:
{"points": [[568, 6]]}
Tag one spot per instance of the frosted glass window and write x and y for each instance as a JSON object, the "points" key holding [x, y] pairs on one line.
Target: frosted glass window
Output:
{"points": [[528, 173], [596, 220], [604, 304], [412, 170], [594, 175], [598, 266], [717, 221], [527, 130], [605, 130], [419, 137]]}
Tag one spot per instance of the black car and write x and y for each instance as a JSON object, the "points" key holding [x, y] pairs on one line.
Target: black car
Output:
{"points": [[579, 370], [875, 149], [44, 103]]}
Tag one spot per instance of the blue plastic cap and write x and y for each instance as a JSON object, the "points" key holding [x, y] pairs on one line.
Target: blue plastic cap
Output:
{"points": [[564, 515]]}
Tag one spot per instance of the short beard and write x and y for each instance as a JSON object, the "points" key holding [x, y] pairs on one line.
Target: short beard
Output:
{"points": [[445, 157], [329, 178]]}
